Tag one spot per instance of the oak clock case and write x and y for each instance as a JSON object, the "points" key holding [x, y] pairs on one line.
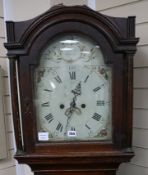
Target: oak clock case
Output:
{"points": [[71, 72]]}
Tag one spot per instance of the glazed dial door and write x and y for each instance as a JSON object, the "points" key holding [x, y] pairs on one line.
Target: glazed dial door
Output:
{"points": [[73, 91]]}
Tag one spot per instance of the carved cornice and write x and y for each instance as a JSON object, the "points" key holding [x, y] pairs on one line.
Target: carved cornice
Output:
{"points": [[121, 39]]}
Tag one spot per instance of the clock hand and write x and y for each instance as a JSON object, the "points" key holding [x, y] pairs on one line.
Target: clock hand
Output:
{"points": [[77, 110], [73, 103], [74, 107], [69, 112], [77, 90]]}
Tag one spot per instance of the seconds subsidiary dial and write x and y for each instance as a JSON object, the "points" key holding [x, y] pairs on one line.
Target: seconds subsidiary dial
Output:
{"points": [[73, 91]]}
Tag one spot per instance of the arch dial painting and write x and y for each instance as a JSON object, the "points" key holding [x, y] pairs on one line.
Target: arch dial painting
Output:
{"points": [[72, 96]]}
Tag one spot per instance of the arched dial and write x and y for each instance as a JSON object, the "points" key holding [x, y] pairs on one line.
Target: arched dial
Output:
{"points": [[73, 91]]}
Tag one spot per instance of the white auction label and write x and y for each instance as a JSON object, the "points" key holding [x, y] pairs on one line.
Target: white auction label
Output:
{"points": [[72, 134], [43, 136]]}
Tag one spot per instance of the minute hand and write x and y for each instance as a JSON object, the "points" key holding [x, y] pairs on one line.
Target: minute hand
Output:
{"points": [[77, 90]]}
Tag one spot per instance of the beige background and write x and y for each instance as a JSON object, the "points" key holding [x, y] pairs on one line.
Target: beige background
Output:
{"points": [[22, 10]]}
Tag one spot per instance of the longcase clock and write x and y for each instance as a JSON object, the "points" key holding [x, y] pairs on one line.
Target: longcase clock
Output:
{"points": [[71, 72]]}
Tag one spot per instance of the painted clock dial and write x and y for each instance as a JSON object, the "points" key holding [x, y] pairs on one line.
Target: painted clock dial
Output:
{"points": [[73, 97]]}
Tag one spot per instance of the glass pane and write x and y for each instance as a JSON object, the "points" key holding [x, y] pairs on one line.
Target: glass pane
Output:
{"points": [[73, 91]]}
